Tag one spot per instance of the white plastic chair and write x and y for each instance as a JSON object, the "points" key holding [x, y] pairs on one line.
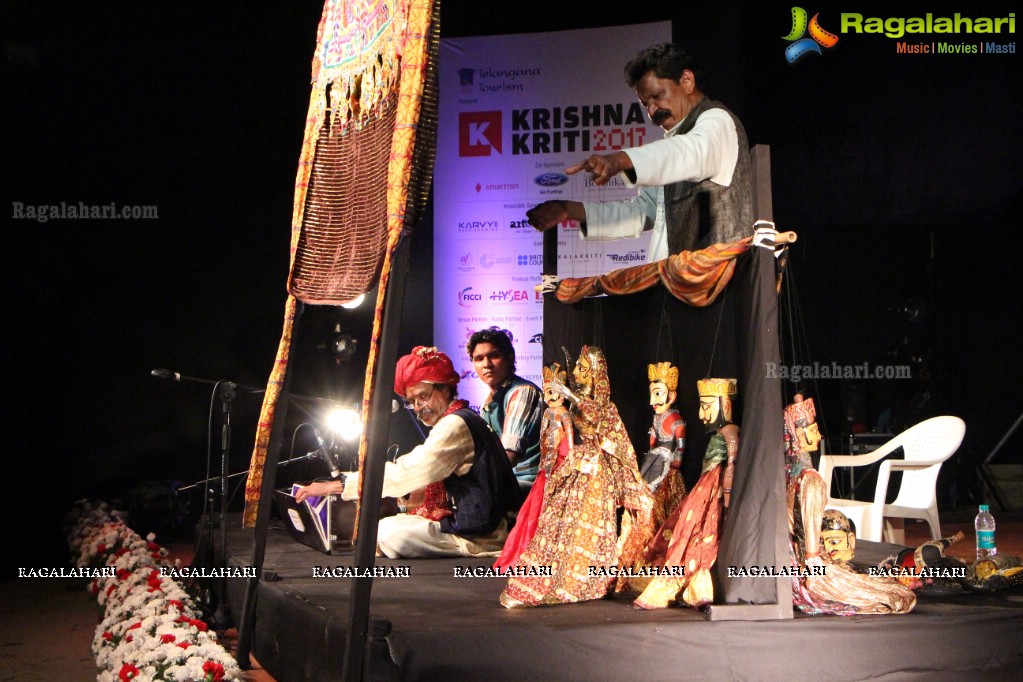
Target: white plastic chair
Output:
{"points": [[926, 445]]}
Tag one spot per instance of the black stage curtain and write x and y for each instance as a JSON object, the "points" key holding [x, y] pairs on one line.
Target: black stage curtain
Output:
{"points": [[735, 337]]}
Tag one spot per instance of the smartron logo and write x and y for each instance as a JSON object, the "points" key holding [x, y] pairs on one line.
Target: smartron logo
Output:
{"points": [[479, 133]]}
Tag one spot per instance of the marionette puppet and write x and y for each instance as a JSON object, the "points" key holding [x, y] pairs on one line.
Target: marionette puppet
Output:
{"points": [[690, 537], [557, 438], [823, 541], [662, 464], [577, 549], [668, 431]]}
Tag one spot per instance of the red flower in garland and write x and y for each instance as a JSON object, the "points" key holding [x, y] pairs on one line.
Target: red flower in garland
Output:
{"points": [[194, 622], [152, 546], [109, 636], [121, 552], [154, 581], [135, 626], [184, 645], [177, 603], [129, 638], [123, 573], [168, 638], [214, 671], [111, 589], [128, 672]]}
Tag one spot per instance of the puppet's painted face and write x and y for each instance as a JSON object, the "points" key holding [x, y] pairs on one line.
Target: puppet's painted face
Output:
{"points": [[808, 436], [661, 399], [840, 545], [552, 397], [715, 411], [838, 539], [583, 375]]}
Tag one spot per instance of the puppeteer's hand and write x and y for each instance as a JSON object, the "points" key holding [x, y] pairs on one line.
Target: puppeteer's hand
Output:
{"points": [[603, 167], [319, 489], [549, 214]]}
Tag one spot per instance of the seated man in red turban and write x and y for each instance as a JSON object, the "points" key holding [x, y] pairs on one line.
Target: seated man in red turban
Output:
{"points": [[461, 460]]}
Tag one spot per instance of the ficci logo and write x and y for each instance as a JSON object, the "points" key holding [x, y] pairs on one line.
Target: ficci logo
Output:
{"points": [[466, 297], [479, 133], [800, 46]]}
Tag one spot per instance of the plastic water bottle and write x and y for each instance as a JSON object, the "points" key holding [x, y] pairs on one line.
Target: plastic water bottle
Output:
{"points": [[985, 526]]}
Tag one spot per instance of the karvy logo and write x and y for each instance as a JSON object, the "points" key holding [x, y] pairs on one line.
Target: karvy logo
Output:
{"points": [[801, 45]]}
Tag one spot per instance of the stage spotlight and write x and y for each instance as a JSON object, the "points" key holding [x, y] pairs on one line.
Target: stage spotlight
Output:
{"points": [[345, 422], [341, 345], [355, 302]]}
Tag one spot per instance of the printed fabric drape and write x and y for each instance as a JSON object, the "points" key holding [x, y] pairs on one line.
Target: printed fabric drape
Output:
{"points": [[694, 277], [355, 191]]}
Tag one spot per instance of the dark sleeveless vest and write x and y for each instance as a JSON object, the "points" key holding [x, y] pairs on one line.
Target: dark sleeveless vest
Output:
{"points": [[484, 495], [698, 214]]}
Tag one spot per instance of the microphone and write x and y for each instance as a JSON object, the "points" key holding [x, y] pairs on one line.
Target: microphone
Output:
{"points": [[324, 453], [166, 374]]}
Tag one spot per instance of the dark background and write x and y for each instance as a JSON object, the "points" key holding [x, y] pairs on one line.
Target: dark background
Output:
{"points": [[899, 172]]}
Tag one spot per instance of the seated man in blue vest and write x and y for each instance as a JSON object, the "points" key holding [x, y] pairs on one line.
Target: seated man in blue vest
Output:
{"points": [[514, 409], [468, 480]]}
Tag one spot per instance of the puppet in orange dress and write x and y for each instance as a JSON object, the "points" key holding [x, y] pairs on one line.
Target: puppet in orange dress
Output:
{"points": [[689, 538], [577, 548]]}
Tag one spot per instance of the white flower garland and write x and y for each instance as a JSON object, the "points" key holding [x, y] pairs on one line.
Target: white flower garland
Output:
{"points": [[151, 629]]}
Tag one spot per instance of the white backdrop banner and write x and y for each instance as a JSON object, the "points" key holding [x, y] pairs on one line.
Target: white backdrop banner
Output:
{"points": [[515, 111]]}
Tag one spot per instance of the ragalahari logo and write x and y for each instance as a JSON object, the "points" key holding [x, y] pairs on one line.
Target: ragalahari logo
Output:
{"points": [[802, 46], [479, 133]]}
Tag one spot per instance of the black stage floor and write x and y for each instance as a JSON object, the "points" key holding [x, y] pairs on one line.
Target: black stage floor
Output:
{"points": [[452, 628]]}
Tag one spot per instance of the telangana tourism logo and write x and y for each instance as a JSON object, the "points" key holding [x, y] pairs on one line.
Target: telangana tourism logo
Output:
{"points": [[801, 45]]}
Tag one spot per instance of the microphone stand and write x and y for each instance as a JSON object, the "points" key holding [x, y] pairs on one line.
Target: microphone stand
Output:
{"points": [[227, 394], [196, 484], [226, 391]]}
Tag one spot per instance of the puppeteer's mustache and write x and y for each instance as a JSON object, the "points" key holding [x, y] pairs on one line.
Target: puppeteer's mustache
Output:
{"points": [[660, 116]]}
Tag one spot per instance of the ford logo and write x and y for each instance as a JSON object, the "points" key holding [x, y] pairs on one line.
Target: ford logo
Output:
{"points": [[550, 179]]}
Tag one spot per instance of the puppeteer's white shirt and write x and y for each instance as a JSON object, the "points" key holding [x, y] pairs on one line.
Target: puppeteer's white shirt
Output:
{"points": [[448, 449], [707, 152]]}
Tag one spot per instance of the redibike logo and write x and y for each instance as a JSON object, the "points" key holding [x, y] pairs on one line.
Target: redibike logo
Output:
{"points": [[466, 298], [479, 133], [630, 257]]}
